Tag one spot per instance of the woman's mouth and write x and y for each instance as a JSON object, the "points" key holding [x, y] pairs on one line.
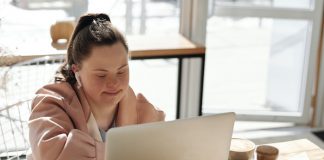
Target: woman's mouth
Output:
{"points": [[111, 93]]}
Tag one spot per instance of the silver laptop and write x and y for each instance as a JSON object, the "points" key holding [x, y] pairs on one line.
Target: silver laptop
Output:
{"points": [[200, 138]]}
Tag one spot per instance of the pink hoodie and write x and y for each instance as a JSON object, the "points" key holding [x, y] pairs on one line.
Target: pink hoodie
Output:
{"points": [[61, 126]]}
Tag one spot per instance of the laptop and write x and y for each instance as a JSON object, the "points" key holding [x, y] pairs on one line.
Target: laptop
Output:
{"points": [[199, 138]]}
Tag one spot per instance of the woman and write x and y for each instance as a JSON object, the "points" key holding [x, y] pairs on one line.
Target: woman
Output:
{"points": [[70, 118]]}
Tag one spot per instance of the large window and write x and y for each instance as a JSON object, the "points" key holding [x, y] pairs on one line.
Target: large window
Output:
{"points": [[24, 21], [255, 64], [259, 63]]}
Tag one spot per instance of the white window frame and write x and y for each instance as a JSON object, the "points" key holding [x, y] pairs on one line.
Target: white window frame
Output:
{"points": [[193, 23]]}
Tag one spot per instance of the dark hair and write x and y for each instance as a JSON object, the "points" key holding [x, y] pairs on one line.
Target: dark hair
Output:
{"points": [[91, 30]]}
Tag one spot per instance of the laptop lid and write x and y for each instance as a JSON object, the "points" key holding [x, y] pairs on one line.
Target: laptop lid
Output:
{"points": [[199, 138]]}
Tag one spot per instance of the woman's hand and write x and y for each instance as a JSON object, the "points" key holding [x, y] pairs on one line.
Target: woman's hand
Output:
{"points": [[127, 113], [147, 112], [137, 110]]}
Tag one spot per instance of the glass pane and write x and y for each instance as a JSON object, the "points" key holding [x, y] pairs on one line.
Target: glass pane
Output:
{"points": [[157, 80], [141, 16], [305, 4], [26, 23], [25, 29], [255, 64]]}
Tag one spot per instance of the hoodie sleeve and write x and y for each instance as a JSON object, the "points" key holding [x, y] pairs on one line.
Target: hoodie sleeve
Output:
{"points": [[53, 136]]}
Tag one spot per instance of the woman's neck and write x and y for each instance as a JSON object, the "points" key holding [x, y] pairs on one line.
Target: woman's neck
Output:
{"points": [[104, 115]]}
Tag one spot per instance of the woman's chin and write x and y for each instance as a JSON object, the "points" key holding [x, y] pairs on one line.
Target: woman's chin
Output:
{"points": [[111, 99]]}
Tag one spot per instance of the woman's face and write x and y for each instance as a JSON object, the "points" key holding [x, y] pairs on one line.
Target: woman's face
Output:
{"points": [[105, 74]]}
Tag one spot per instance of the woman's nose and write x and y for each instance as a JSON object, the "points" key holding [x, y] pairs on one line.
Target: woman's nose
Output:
{"points": [[112, 82]]}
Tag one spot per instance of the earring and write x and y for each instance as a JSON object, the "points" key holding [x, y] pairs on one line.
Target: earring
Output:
{"points": [[77, 77]]}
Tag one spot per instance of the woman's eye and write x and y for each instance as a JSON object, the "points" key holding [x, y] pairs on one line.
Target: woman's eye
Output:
{"points": [[101, 76], [120, 72]]}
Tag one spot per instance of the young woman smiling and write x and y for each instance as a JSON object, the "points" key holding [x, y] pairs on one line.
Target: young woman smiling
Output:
{"points": [[91, 94]]}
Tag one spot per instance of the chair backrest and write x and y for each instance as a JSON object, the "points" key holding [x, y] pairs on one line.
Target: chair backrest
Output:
{"points": [[18, 85]]}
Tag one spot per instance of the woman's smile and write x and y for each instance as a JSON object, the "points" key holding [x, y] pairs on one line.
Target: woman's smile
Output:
{"points": [[112, 93]]}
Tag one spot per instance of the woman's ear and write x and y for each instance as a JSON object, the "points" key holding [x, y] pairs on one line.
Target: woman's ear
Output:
{"points": [[76, 75], [75, 68]]}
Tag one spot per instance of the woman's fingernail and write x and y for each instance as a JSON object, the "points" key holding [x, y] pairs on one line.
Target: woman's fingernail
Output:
{"points": [[141, 97]]}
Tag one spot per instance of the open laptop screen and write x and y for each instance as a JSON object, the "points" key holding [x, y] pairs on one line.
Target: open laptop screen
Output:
{"points": [[199, 138]]}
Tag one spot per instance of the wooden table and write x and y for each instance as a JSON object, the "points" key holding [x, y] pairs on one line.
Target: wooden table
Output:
{"points": [[141, 47], [299, 150]]}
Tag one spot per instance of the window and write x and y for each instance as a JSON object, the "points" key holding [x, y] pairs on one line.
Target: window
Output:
{"points": [[25, 25], [259, 63], [157, 79], [255, 64]]}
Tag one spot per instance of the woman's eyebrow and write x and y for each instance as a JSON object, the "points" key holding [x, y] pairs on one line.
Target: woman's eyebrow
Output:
{"points": [[105, 70], [123, 66]]}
